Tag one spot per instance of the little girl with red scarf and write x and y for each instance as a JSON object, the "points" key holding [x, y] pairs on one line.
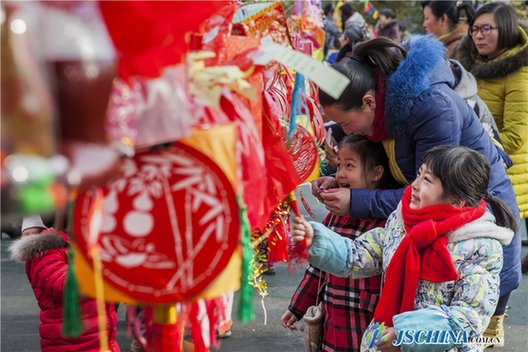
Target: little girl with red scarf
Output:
{"points": [[347, 304], [440, 252]]}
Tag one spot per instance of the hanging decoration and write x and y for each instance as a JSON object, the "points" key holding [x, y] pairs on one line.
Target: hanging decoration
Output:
{"points": [[147, 201], [370, 9], [184, 164]]}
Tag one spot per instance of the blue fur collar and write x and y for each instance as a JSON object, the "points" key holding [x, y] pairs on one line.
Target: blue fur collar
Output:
{"points": [[412, 77]]}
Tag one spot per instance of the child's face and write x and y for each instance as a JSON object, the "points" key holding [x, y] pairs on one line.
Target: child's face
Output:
{"points": [[350, 170], [427, 190]]}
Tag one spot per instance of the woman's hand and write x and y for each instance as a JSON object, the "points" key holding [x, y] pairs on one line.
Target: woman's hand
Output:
{"points": [[301, 230], [288, 319], [322, 183], [386, 345], [337, 200]]}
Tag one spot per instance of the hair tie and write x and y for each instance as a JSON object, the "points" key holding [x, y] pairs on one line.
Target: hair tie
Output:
{"points": [[489, 196], [355, 57], [459, 4]]}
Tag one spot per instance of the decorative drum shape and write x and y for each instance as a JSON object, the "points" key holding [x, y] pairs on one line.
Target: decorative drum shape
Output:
{"points": [[170, 225]]}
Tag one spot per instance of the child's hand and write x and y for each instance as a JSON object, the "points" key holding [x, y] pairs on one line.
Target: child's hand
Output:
{"points": [[301, 230], [322, 183], [386, 345], [288, 319]]}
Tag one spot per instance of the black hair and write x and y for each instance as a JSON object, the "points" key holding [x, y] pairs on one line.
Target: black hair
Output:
{"points": [[381, 53], [354, 34], [346, 12], [465, 176], [387, 13], [371, 154], [451, 10], [328, 9], [507, 21]]}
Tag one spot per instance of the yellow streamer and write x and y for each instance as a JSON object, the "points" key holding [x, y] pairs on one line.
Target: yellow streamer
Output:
{"points": [[99, 292]]}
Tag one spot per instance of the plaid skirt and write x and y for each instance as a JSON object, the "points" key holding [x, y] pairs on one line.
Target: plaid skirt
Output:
{"points": [[348, 304]]}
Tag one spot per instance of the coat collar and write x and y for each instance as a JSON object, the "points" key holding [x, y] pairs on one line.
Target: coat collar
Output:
{"points": [[456, 34], [29, 247], [508, 63], [482, 227], [413, 76]]}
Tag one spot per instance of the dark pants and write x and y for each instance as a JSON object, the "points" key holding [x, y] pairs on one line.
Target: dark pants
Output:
{"points": [[501, 305]]}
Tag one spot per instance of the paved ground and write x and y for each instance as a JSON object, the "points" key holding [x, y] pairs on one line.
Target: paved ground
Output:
{"points": [[20, 313]]}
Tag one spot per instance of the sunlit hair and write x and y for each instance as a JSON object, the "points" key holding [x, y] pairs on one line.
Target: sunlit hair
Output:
{"points": [[381, 53], [465, 175]]}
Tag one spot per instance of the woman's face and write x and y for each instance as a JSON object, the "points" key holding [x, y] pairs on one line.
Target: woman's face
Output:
{"points": [[434, 26], [360, 122], [487, 45]]}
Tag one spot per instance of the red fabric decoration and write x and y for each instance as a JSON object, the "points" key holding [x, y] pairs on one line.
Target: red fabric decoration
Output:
{"points": [[281, 175], [217, 30], [425, 242], [297, 255], [250, 154], [167, 337], [278, 243], [150, 35], [380, 133], [170, 225]]}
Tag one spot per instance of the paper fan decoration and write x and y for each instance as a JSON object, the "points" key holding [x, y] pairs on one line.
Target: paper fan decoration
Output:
{"points": [[170, 225]]}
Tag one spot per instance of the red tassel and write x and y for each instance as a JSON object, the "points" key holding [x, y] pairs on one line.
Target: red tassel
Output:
{"points": [[214, 311], [297, 256], [167, 337], [295, 207], [196, 328], [278, 244], [306, 206]]}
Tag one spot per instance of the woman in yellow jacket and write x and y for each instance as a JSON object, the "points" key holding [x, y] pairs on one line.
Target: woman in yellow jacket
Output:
{"points": [[496, 53]]}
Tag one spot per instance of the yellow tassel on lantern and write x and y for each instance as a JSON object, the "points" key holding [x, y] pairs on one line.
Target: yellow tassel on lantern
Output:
{"points": [[95, 223], [101, 311], [165, 314]]}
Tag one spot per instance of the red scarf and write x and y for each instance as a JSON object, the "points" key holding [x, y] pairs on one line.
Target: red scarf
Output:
{"points": [[425, 242], [380, 133]]}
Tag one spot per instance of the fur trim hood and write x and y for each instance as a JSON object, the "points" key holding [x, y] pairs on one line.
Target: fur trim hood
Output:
{"points": [[465, 82], [456, 35], [423, 66], [482, 227], [29, 247], [468, 57]]}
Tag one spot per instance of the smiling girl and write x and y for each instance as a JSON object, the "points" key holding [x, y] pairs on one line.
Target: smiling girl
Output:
{"points": [[440, 251], [347, 304]]}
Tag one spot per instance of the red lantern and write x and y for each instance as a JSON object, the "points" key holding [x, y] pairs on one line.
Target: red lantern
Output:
{"points": [[170, 225]]}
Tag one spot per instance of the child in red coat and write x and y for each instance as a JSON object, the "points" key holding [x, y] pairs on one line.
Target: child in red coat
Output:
{"points": [[45, 255]]}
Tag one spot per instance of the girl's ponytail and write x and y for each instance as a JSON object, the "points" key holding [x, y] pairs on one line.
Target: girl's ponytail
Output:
{"points": [[502, 212]]}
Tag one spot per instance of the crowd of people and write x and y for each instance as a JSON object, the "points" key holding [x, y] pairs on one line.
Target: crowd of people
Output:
{"points": [[429, 191], [450, 110]]}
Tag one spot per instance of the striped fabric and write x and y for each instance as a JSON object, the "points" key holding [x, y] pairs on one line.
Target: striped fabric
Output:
{"points": [[348, 305]]}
